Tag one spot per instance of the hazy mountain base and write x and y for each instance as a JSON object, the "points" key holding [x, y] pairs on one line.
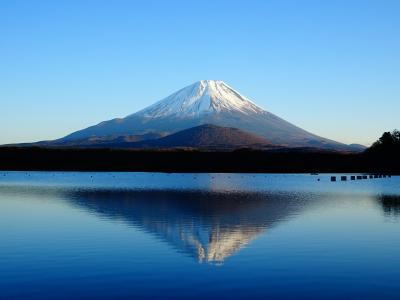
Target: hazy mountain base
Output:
{"points": [[200, 137], [204, 137], [265, 125]]}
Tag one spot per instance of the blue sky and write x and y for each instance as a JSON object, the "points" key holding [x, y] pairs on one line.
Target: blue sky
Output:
{"points": [[330, 67]]}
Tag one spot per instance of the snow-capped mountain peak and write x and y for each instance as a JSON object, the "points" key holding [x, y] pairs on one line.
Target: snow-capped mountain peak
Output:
{"points": [[211, 102], [201, 98]]}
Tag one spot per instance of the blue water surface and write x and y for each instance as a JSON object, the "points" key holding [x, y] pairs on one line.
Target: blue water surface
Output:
{"points": [[67, 235]]}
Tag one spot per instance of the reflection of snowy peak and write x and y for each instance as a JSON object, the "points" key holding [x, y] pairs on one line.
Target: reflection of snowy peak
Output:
{"points": [[224, 243], [207, 244], [202, 97], [208, 226], [205, 102]]}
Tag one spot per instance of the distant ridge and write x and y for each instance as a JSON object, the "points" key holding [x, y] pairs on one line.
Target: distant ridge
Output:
{"points": [[203, 136]]}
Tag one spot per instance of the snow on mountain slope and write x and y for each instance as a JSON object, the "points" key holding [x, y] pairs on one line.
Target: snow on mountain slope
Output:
{"points": [[207, 102], [201, 98]]}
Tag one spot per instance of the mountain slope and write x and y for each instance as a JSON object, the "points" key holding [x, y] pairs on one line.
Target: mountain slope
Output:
{"points": [[207, 102], [204, 136], [97, 141]]}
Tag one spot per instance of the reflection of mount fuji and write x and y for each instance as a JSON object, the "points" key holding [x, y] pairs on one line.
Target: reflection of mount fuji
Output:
{"points": [[208, 226]]}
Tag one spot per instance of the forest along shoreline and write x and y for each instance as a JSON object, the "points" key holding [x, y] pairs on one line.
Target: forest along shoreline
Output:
{"points": [[381, 157], [184, 160]]}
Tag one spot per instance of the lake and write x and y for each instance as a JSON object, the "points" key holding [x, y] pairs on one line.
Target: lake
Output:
{"points": [[89, 235]]}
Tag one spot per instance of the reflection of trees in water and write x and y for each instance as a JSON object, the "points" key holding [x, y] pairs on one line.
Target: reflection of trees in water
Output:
{"points": [[209, 226], [390, 205]]}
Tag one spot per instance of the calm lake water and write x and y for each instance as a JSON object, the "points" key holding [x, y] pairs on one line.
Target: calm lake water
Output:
{"points": [[147, 235]]}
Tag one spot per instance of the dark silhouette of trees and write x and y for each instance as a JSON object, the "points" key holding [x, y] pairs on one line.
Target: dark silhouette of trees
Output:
{"points": [[388, 143], [380, 158]]}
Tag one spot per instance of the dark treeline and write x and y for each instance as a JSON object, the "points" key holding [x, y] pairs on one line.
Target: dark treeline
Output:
{"points": [[387, 144], [288, 161], [381, 157]]}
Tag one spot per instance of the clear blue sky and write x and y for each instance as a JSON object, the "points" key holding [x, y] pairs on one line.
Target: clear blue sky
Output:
{"points": [[331, 67]]}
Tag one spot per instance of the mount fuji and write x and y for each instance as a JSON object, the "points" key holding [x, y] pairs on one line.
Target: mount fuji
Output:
{"points": [[206, 102]]}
